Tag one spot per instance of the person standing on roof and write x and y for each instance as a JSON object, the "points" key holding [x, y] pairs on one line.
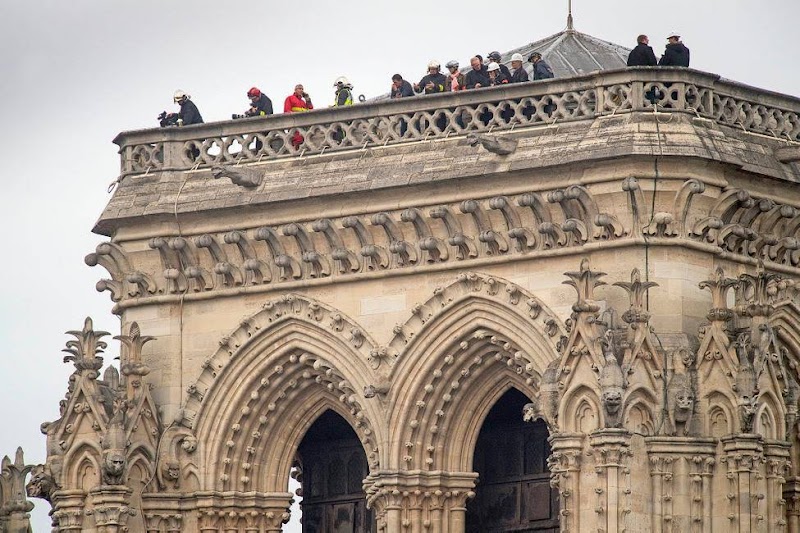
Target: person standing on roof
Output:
{"points": [[675, 54], [541, 70], [189, 114], [434, 81], [344, 92], [520, 74], [400, 87], [642, 55], [477, 77], [496, 76], [297, 102], [455, 80], [495, 56], [260, 104]]}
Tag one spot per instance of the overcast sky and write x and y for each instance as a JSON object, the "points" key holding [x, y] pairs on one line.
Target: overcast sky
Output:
{"points": [[73, 74]]}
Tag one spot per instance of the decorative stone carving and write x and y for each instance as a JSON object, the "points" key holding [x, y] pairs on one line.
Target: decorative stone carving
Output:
{"points": [[612, 384], [14, 506], [241, 176], [493, 143], [681, 397]]}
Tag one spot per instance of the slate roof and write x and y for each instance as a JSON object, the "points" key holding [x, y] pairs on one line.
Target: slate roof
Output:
{"points": [[572, 53]]}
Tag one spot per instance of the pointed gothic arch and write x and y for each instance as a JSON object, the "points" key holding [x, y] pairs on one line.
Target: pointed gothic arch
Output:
{"points": [[465, 340], [580, 411], [260, 393]]}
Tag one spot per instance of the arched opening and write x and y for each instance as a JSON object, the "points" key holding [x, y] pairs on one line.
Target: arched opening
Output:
{"points": [[333, 466], [513, 491]]}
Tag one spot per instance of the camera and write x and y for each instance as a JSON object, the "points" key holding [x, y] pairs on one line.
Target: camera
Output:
{"points": [[165, 120]]}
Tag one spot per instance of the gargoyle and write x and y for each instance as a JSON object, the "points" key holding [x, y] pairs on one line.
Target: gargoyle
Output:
{"points": [[612, 384], [243, 177], [493, 143]]}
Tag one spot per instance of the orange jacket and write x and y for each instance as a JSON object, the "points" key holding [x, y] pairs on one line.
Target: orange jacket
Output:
{"points": [[293, 104]]}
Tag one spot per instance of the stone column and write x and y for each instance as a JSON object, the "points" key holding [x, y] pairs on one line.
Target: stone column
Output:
{"points": [[681, 471], [110, 507], [420, 502], [778, 464], [791, 495], [744, 459], [610, 448], [68, 508], [565, 476]]}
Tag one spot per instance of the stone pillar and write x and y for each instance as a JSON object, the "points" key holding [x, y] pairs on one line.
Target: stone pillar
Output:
{"points": [[110, 507], [610, 448], [681, 471], [15, 517], [68, 508], [420, 502], [744, 459], [791, 495], [778, 464], [565, 476]]}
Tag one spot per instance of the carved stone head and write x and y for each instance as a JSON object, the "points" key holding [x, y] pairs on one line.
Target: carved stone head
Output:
{"points": [[612, 400], [113, 467]]}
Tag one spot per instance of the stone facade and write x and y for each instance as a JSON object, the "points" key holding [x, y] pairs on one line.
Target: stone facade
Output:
{"points": [[627, 267]]}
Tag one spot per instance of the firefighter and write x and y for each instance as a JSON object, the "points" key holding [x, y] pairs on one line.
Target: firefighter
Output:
{"points": [[260, 104], [344, 92], [297, 102]]}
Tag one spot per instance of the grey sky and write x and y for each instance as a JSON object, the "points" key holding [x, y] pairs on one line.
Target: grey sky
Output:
{"points": [[74, 74]]}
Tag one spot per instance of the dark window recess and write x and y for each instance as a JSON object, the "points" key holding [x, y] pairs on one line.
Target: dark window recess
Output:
{"points": [[334, 466], [513, 493]]}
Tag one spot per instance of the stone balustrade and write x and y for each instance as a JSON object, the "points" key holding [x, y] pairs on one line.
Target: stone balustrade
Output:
{"points": [[483, 110]]}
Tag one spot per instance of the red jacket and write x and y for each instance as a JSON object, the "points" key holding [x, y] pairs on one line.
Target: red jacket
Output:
{"points": [[293, 104]]}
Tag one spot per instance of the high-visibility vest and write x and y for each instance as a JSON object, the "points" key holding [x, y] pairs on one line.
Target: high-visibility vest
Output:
{"points": [[348, 101]]}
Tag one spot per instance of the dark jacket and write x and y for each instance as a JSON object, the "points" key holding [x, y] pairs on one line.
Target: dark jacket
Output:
{"points": [[542, 71], [189, 113], [405, 90], [642, 56], [474, 77], [500, 79], [439, 81], [263, 106], [519, 76], [504, 69], [675, 55]]}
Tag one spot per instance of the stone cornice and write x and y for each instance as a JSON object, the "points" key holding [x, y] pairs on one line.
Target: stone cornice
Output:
{"points": [[736, 225]]}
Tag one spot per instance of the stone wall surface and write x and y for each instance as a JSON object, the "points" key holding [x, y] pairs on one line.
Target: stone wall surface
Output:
{"points": [[629, 267]]}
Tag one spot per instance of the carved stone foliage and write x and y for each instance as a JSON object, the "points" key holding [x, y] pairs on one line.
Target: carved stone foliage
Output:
{"points": [[14, 506], [741, 348], [473, 229], [108, 428]]}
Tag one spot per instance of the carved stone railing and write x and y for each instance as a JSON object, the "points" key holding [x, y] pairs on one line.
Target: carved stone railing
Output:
{"points": [[439, 116]]}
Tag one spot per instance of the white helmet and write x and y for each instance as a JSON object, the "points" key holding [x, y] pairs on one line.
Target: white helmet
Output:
{"points": [[434, 64], [674, 34], [179, 95], [343, 81], [493, 66], [516, 57]]}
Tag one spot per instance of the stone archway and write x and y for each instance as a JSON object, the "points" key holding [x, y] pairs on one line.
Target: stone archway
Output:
{"points": [[513, 492], [333, 466]]}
